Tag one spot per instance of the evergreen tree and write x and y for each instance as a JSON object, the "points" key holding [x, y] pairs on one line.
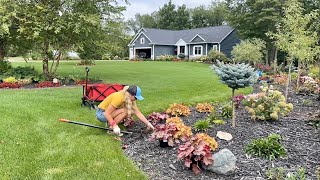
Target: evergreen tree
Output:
{"points": [[235, 76]]}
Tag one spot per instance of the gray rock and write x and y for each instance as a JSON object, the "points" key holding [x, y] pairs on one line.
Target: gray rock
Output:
{"points": [[224, 162]]}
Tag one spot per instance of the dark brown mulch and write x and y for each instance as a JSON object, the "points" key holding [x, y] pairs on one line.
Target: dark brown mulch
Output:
{"points": [[302, 142]]}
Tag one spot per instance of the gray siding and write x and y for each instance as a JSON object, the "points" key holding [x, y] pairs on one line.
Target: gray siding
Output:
{"points": [[146, 42], [210, 46], [163, 50], [228, 43], [197, 39]]}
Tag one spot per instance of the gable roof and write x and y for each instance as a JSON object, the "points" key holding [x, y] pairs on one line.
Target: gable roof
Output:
{"points": [[170, 37]]}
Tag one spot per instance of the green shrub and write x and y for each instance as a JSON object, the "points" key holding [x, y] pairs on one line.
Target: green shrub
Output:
{"points": [[214, 55], [5, 66], [201, 125], [181, 56], [269, 147], [267, 105], [226, 111], [10, 80], [22, 73], [276, 173]]}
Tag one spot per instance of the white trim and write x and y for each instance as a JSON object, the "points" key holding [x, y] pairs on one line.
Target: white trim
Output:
{"points": [[152, 52], [227, 35], [180, 40], [143, 47], [206, 49], [196, 36], [201, 49], [219, 47], [139, 36], [189, 51], [163, 44], [202, 42]]}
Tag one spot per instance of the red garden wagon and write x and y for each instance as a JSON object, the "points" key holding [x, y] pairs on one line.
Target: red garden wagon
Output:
{"points": [[93, 93]]}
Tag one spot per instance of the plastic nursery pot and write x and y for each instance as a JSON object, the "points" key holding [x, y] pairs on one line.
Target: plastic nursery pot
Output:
{"points": [[163, 144]]}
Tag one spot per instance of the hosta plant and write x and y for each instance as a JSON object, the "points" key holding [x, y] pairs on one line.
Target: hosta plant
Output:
{"points": [[267, 105], [204, 107], [196, 152], [156, 118], [269, 147], [178, 110]]}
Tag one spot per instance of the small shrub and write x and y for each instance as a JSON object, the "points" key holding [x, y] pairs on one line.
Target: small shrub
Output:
{"points": [[214, 55], [86, 62], [181, 55], [178, 110], [269, 147], [5, 66], [9, 85], [280, 79], [201, 125], [218, 121], [277, 173], [299, 175], [204, 107], [226, 111], [237, 100], [308, 86], [10, 80], [268, 105]]}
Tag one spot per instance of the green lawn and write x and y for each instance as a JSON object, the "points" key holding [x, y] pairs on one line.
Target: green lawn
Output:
{"points": [[34, 145]]}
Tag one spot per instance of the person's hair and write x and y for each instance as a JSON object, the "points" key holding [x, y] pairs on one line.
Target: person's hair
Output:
{"points": [[129, 105]]}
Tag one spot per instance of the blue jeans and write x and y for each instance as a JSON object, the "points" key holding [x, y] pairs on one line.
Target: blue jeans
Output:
{"points": [[100, 115]]}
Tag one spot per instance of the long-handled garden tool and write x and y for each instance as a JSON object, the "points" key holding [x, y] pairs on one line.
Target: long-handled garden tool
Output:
{"points": [[90, 125]]}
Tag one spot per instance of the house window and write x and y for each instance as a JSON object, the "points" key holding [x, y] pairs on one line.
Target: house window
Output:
{"points": [[197, 50], [142, 41], [215, 47]]}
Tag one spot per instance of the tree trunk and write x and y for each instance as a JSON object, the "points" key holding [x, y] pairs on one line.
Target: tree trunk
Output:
{"points": [[288, 80], [2, 54], [45, 62], [275, 60], [299, 74], [233, 111]]}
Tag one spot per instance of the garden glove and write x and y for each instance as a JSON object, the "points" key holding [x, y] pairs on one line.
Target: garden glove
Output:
{"points": [[116, 130]]}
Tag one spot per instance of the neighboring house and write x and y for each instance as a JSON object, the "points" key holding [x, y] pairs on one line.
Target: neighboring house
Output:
{"points": [[194, 43]]}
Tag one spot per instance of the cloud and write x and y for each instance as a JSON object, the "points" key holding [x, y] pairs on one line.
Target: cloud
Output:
{"points": [[149, 6]]}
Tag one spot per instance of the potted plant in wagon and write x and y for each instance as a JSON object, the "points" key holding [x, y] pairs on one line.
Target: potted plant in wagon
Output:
{"points": [[197, 152]]}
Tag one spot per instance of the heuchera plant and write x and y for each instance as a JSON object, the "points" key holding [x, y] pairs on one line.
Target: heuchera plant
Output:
{"points": [[204, 107], [183, 132], [165, 132], [178, 110], [156, 118], [128, 122], [196, 152]]}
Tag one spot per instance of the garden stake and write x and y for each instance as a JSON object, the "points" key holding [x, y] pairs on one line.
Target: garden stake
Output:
{"points": [[90, 125]]}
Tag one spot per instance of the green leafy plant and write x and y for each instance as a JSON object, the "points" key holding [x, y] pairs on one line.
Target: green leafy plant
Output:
{"points": [[269, 147], [299, 175], [276, 173], [5, 66], [10, 80], [218, 121], [226, 111], [201, 125], [267, 105]]}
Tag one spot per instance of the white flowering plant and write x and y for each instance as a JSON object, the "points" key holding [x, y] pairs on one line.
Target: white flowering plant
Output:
{"points": [[268, 105]]}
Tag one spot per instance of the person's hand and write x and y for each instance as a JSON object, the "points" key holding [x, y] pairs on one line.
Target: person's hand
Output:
{"points": [[116, 129], [149, 126]]}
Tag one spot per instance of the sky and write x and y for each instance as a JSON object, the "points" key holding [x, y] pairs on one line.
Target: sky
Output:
{"points": [[149, 6]]}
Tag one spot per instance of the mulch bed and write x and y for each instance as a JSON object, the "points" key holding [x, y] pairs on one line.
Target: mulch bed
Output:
{"points": [[301, 140]]}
